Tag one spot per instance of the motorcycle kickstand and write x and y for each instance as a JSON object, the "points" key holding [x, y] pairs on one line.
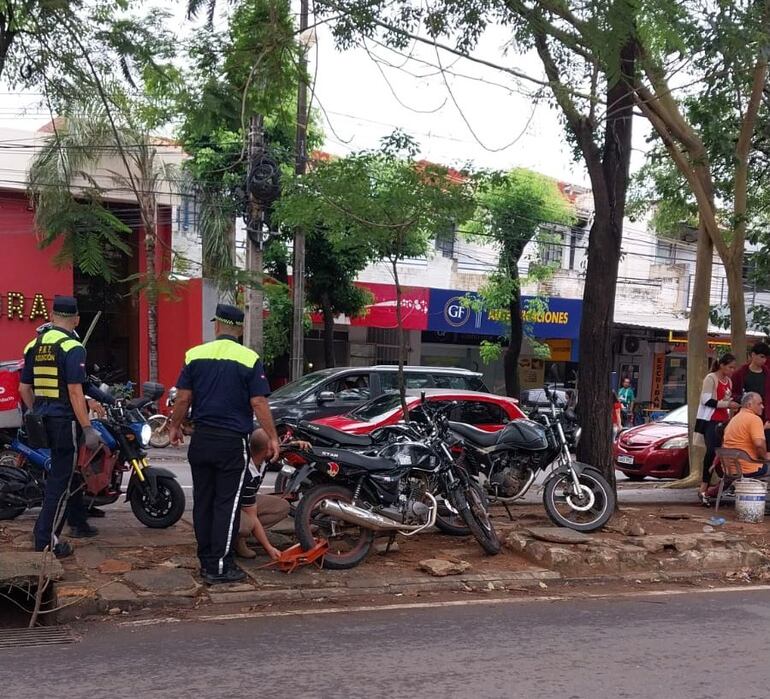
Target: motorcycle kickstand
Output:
{"points": [[508, 510], [391, 539]]}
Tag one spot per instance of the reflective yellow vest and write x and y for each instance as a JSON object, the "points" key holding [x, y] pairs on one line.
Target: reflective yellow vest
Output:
{"points": [[48, 382]]}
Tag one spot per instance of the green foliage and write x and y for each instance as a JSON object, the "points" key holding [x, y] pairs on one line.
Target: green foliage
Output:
{"points": [[513, 209], [65, 48], [380, 199], [250, 66], [278, 322]]}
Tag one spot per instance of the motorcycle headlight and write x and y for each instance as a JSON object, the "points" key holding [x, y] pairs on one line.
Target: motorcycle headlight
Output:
{"points": [[144, 434], [675, 443]]}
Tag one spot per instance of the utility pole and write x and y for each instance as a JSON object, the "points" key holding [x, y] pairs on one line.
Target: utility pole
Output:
{"points": [[300, 164], [255, 298]]}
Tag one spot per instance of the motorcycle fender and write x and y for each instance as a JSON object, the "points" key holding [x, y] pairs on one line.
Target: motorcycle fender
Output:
{"points": [[151, 474], [298, 477], [576, 466]]}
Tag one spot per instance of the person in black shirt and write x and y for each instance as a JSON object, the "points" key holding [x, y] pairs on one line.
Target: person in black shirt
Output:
{"points": [[225, 384], [754, 377]]}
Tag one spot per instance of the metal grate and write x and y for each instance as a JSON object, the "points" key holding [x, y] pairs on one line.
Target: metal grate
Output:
{"points": [[40, 636]]}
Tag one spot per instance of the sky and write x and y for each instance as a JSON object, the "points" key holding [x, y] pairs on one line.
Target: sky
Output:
{"points": [[474, 114]]}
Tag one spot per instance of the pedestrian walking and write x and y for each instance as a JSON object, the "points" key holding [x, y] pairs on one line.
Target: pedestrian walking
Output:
{"points": [[225, 385], [713, 414], [52, 389]]}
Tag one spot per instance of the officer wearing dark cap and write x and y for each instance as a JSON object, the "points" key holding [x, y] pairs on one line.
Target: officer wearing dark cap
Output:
{"points": [[225, 384], [52, 387]]}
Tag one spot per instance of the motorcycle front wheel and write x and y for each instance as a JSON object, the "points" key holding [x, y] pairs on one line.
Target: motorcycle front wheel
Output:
{"points": [[586, 511], [349, 544], [472, 506], [163, 511], [160, 437]]}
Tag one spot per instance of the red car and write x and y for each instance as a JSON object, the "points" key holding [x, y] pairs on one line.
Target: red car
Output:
{"points": [[483, 410], [658, 449]]}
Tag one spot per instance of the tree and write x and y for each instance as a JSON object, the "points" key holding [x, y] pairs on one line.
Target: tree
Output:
{"points": [[333, 263], [513, 208], [76, 148], [715, 129], [64, 47], [714, 132], [589, 55], [383, 198]]}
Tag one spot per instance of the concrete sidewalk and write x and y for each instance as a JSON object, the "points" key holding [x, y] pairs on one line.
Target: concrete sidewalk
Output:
{"points": [[130, 567]]}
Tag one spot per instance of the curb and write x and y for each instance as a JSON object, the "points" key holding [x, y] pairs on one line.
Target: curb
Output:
{"points": [[522, 580]]}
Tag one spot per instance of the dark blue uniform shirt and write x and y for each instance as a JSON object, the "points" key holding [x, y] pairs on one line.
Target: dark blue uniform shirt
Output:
{"points": [[71, 363], [223, 376]]}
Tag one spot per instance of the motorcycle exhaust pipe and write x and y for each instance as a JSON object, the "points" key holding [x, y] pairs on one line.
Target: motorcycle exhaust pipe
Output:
{"points": [[371, 520]]}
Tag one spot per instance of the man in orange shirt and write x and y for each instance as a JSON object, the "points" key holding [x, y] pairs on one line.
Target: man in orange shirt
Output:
{"points": [[746, 431]]}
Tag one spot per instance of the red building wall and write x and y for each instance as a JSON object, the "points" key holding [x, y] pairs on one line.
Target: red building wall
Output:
{"points": [[180, 326], [27, 270]]}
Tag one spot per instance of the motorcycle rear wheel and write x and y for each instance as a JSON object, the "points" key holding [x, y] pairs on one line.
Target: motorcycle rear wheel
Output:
{"points": [[557, 505], [163, 512], [474, 511], [160, 437], [309, 524]]}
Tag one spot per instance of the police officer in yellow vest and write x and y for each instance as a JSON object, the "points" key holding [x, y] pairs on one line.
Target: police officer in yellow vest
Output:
{"points": [[225, 384], [52, 387]]}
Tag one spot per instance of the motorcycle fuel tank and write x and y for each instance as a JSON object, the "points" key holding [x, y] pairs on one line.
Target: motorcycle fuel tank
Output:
{"points": [[524, 434], [105, 434]]}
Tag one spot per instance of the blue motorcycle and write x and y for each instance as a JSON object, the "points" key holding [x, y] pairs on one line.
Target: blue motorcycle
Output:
{"points": [[157, 500]]}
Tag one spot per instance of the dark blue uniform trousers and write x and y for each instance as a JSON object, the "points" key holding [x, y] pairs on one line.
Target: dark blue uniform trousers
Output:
{"points": [[218, 464], [59, 503]]}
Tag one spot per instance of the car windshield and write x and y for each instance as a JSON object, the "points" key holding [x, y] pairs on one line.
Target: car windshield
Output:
{"points": [[298, 387], [679, 416], [382, 404]]}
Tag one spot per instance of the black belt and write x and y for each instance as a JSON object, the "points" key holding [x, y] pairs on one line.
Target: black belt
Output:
{"points": [[218, 431]]}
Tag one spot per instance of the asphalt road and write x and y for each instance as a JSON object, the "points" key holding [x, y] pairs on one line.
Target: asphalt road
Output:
{"points": [[690, 645]]}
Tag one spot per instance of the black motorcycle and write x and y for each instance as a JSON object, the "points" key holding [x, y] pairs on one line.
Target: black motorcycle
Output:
{"points": [[506, 464], [356, 495]]}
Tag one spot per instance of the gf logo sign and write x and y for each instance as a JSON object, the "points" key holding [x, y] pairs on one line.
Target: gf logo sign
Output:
{"points": [[455, 313]]}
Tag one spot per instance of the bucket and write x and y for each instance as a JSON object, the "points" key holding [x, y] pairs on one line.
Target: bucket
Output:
{"points": [[750, 497]]}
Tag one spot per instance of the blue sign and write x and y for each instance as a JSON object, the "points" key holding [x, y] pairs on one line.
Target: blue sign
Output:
{"points": [[448, 312]]}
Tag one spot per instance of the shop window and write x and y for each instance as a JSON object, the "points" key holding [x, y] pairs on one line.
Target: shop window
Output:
{"points": [[675, 382]]}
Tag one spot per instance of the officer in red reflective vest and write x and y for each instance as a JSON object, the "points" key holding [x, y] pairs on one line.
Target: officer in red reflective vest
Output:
{"points": [[52, 387]]}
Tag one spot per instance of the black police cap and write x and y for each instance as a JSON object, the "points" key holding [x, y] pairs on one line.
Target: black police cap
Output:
{"points": [[230, 315], [65, 305]]}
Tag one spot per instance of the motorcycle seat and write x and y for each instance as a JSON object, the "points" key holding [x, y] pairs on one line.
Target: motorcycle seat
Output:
{"points": [[475, 435], [355, 459], [138, 403], [330, 434]]}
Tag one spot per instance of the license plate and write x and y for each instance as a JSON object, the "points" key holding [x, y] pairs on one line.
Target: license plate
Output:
{"points": [[623, 459]]}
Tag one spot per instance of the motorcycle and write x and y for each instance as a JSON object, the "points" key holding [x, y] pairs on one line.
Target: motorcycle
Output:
{"points": [[157, 500], [159, 423], [355, 495], [506, 464]]}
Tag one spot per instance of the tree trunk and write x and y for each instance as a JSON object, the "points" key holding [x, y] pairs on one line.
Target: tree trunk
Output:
{"points": [[610, 184], [328, 315], [697, 347], [152, 294], [737, 300], [401, 342], [512, 354]]}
